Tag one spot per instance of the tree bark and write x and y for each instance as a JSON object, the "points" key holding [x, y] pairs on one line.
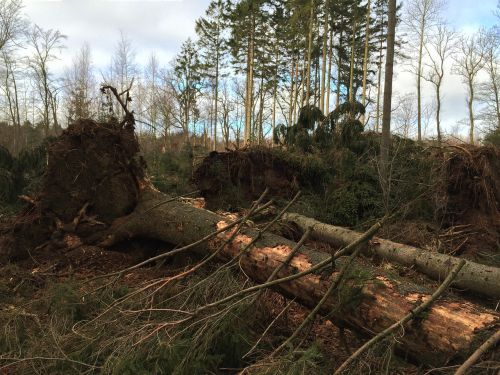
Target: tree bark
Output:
{"points": [[365, 59], [470, 105], [323, 61], [473, 276], [249, 83], [329, 74], [386, 115], [419, 77], [309, 53]]}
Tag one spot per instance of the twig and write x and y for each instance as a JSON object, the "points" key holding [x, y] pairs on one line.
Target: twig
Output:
{"points": [[268, 328], [368, 234], [290, 256], [128, 115], [19, 360], [491, 342], [263, 230], [412, 314], [328, 293]]}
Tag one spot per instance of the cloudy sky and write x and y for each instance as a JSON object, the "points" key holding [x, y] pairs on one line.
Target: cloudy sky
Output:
{"points": [[162, 25]]}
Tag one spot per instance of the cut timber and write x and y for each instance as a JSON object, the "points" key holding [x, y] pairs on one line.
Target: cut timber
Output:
{"points": [[473, 276], [452, 328]]}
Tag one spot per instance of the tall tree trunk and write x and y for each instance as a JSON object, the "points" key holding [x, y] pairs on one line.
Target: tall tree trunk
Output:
{"points": [[419, 77], [329, 76], [379, 87], [53, 108], [216, 109], [351, 62], [275, 94], [438, 113], [323, 63], [365, 59], [292, 92], [339, 66], [470, 104], [386, 119], [298, 89], [317, 77], [249, 83], [309, 53], [493, 77], [261, 112]]}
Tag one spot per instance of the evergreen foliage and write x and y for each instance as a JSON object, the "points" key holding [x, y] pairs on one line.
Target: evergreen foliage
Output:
{"points": [[341, 128], [22, 174]]}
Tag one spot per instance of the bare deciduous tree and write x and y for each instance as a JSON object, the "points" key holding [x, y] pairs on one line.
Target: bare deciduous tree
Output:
{"points": [[44, 44], [488, 92], [79, 85], [11, 92], [420, 17], [469, 60], [10, 21], [439, 50]]}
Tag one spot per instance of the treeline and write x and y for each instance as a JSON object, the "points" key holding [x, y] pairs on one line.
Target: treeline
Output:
{"points": [[252, 67]]}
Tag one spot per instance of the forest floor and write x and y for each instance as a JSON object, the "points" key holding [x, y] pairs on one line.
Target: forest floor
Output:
{"points": [[47, 298]]}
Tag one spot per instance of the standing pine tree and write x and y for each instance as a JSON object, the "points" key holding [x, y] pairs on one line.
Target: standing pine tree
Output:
{"points": [[212, 32], [186, 83]]}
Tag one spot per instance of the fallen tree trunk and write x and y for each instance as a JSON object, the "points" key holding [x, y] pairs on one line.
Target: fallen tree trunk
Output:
{"points": [[473, 276], [452, 328], [95, 191]]}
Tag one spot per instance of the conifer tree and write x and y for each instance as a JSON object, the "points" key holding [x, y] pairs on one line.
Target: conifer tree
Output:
{"points": [[212, 36], [187, 85]]}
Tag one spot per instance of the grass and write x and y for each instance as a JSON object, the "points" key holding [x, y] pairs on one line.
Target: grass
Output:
{"points": [[64, 326]]}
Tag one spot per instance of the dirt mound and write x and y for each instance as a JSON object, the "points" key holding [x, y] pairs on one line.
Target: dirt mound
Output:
{"points": [[470, 182], [468, 195], [93, 177], [458, 214], [233, 178]]}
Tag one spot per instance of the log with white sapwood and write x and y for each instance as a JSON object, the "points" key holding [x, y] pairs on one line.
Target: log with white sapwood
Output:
{"points": [[451, 329], [473, 276]]}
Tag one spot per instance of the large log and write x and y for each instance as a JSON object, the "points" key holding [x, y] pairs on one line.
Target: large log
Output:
{"points": [[473, 276], [452, 329]]}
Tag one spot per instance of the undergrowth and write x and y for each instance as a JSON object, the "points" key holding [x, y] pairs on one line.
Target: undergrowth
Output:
{"points": [[64, 326]]}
